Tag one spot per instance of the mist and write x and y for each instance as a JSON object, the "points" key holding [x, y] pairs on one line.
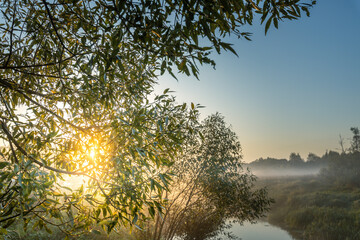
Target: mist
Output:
{"points": [[284, 172], [294, 166]]}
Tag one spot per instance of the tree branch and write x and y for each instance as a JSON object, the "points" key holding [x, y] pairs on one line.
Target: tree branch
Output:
{"points": [[11, 36], [37, 65], [22, 150], [254, 5], [51, 112], [55, 29], [25, 213]]}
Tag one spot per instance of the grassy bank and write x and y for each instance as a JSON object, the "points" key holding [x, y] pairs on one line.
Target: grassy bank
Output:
{"points": [[310, 208]]}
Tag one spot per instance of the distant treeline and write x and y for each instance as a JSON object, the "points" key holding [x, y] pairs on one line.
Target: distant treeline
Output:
{"points": [[319, 207], [326, 164], [294, 161], [325, 206]]}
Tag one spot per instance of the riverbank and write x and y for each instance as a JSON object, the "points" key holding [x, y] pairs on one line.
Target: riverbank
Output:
{"points": [[309, 208]]}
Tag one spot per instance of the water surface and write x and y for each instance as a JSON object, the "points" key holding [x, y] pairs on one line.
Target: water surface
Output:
{"points": [[259, 231]]}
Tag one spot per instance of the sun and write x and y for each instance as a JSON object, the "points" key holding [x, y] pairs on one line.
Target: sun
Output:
{"points": [[91, 156], [92, 153], [95, 151]]}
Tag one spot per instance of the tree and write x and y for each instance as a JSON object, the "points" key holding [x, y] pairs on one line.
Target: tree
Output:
{"points": [[312, 157], [355, 143], [341, 143], [296, 160], [210, 186], [82, 71], [343, 170]]}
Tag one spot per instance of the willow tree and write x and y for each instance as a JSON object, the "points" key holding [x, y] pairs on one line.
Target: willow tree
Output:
{"points": [[210, 187], [75, 77]]}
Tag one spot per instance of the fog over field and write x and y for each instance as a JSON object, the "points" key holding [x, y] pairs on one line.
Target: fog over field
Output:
{"points": [[295, 165], [281, 172]]}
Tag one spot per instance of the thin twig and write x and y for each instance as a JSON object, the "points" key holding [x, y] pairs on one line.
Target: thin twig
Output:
{"points": [[55, 29]]}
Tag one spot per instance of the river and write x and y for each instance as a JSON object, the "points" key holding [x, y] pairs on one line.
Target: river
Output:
{"points": [[259, 231]]}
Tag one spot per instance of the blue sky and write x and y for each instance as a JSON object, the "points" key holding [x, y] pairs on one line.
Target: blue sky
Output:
{"points": [[294, 90]]}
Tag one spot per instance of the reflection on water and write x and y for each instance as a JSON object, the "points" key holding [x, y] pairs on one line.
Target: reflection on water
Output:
{"points": [[259, 231]]}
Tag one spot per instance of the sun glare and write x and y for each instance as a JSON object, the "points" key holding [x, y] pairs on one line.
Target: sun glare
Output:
{"points": [[92, 154]]}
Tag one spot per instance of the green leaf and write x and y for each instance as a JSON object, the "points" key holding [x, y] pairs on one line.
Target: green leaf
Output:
{"points": [[138, 227], [163, 67], [163, 180], [8, 212], [227, 46], [267, 26], [9, 222], [135, 219], [104, 222], [3, 231], [276, 23], [96, 231], [104, 212], [47, 229], [152, 211], [4, 164], [152, 184], [182, 65]]}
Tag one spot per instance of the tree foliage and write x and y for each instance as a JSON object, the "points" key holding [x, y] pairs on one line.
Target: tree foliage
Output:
{"points": [[210, 186], [355, 143], [75, 77]]}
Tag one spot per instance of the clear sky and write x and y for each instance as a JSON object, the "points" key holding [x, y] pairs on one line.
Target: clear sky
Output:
{"points": [[294, 90]]}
